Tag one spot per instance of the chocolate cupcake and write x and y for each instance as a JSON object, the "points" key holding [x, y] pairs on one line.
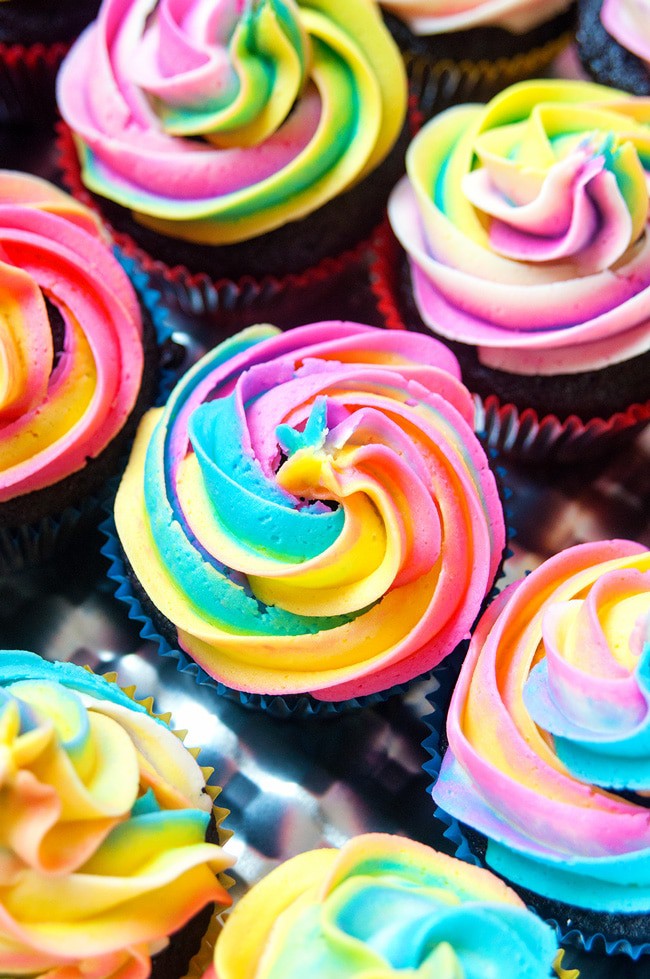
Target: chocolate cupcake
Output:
{"points": [[310, 523], [268, 148], [525, 223], [457, 55], [547, 762], [79, 355]]}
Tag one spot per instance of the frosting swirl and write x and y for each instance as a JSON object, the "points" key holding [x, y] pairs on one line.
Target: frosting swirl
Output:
{"points": [[217, 122], [381, 906], [313, 511], [525, 222], [442, 16], [551, 717], [104, 817], [628, 22], [60, 403]]}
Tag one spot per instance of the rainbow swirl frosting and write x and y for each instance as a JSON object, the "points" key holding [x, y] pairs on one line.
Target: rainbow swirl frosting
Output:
{"points": [[442, 16], [550, 722], [217, 122], [525, 222], [628, 22], [313, 511], [104, 818], [381, 906], [60, 403]]}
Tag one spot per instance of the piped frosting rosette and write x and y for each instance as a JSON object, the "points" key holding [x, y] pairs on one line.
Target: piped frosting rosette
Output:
{"points": [[69, 375], [381, 906], [217, 122], [442, 16], [525, 222], [549, 730], [104, 820], [313, 512]]}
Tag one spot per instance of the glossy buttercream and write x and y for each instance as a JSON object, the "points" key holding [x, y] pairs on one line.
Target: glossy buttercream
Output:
{"points": [[382, 906], [104, 819], [217, 122], [628, 22], [525, 222], [442, 16], [60, 407], [313, 511], [550, 722]]}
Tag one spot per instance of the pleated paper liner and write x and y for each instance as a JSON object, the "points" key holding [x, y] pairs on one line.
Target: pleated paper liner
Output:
{"points": [[519, 433], [27, 77], [154, 628], [600, 933], [25, 545], [437, 84], [230, 304]]}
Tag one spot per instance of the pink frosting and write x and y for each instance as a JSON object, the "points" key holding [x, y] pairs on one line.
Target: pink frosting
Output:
{"points": [[628, 21], [65, 412]]}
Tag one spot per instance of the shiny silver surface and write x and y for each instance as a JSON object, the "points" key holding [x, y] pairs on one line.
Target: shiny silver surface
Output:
{"points": [[295, 785]]}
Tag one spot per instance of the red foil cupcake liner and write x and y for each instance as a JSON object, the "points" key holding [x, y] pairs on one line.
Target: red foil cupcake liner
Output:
{"points": [[521, 434], [27, 76], [234, 304]]}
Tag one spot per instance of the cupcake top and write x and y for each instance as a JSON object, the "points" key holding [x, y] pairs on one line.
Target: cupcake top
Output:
{"points": [[551, 717], [217, 122], [381, 906], [628, 21], [71, 355], [443, 16], [312, 510], [105, 815], [525, 223]]}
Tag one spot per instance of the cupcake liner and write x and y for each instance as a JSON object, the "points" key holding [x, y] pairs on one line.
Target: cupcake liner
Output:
{"points": [[233, 304], [290, 705], [504, 428], [27, 76], [596, 941], [440, 83], [32, 543]]}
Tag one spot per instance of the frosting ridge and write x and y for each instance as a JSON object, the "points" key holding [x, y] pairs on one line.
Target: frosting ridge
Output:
{"points": [[270, 510], [381, 906], [525, 223], [217, 124], [62, 403], [103, 828], [557, 673]]}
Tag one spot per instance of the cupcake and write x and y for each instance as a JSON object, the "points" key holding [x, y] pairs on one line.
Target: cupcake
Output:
{"points": [[311, 522], [613, 42], [109, 838], [77, 364], [379, 906], [34, 37], [548, 763], [462, 52], [237, 139], [525, 225]]}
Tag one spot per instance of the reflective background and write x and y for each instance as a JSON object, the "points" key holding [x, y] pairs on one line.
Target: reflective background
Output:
{"points": [[295, 785]]}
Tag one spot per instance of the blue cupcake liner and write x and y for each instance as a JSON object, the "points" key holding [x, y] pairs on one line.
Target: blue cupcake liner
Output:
{"points": [[27, 545], [293, 705], [594, 942]]}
